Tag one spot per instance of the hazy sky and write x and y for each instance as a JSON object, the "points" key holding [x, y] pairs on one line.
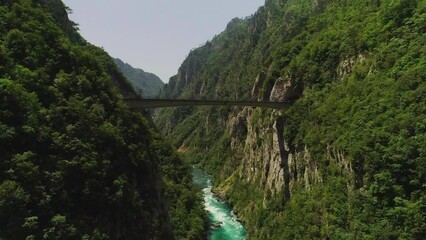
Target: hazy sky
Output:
{"points": [[155, 35]]}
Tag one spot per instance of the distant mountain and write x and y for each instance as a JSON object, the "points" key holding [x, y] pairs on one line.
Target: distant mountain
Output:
{"points": [[147, 83]]}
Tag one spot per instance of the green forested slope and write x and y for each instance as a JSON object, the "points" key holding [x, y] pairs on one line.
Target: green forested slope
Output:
{"points": [[148, 84], [358, 68], [75, 162]]}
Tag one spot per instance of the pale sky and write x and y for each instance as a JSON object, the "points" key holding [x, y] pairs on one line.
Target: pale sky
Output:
{"points": [[155, 35]]}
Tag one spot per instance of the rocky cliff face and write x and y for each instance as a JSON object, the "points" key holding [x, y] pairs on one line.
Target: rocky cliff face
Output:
{"points": [[320, 168], [266, 160], [257, 139]]}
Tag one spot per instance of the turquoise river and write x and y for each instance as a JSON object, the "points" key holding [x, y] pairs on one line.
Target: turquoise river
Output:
{"points": [[219, 212]]}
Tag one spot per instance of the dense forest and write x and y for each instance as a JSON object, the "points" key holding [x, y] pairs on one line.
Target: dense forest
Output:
{"points": [[146, 84], [75, 162], [348, 159]]}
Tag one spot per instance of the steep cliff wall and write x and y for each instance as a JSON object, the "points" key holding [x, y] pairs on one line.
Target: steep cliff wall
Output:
{"points": [[348, 157]]}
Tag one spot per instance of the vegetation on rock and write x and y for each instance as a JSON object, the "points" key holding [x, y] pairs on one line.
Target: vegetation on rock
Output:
{"points": [[352, 148]]}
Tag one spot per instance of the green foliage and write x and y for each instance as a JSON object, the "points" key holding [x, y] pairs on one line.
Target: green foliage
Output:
{"points": [[14, 201], [361, 65], [145, 84], [60, 229], [75, 162], [189, 220]]}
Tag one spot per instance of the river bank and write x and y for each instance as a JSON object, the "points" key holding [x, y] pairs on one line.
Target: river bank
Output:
{"points": [[224, 223]]}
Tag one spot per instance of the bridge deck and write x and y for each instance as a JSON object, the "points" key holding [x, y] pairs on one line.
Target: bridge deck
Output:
{"points": [[160, 103]]}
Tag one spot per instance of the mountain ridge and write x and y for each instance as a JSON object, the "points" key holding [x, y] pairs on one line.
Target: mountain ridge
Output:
{"points": [[347, 159], [146, 84]]}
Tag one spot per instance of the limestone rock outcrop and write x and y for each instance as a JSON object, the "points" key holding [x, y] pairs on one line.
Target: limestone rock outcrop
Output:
{"points": [[284, 90], [258, 85]]}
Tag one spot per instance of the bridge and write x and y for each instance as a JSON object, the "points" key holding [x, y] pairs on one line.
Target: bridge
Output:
{"points": [[137, 104]]}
